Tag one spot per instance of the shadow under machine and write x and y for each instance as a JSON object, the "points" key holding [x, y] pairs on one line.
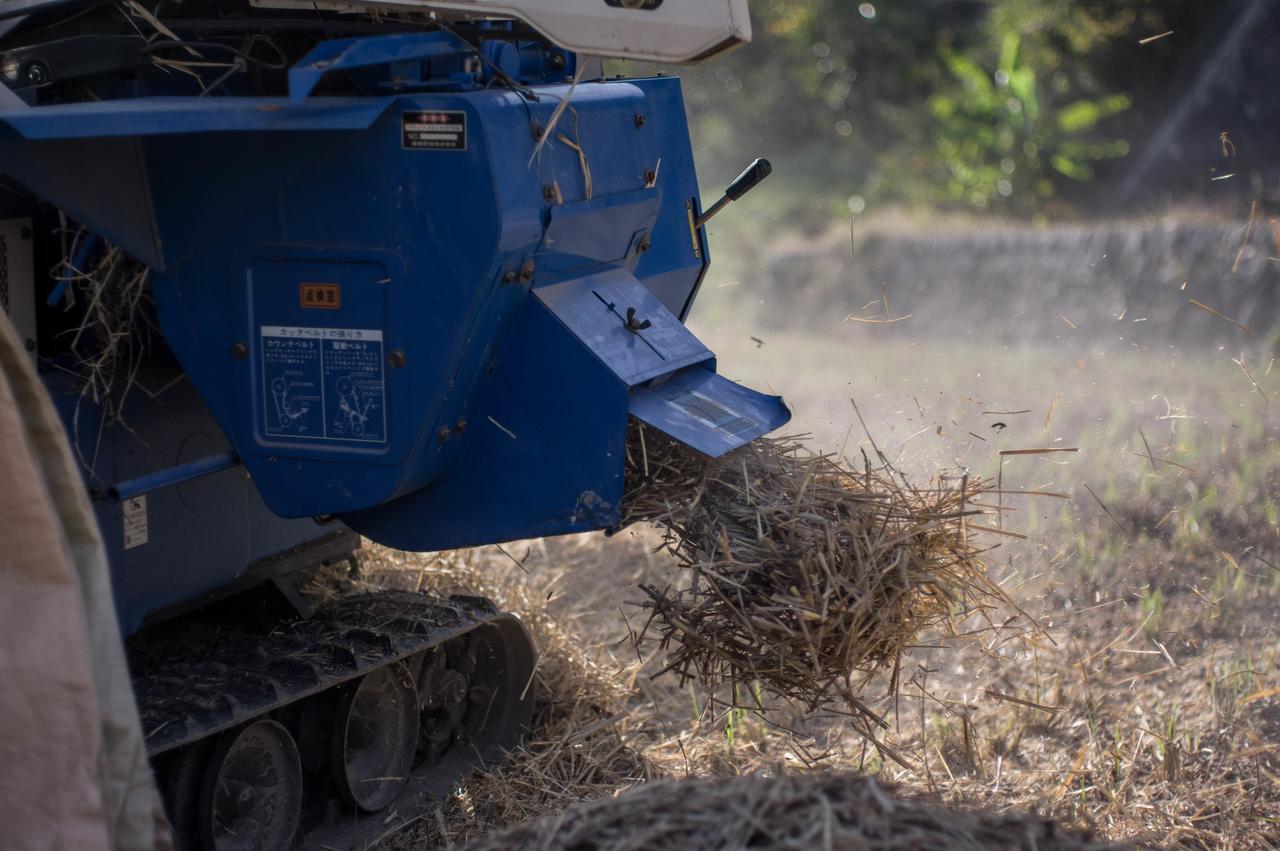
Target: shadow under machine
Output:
{"points": [[296, 273]]}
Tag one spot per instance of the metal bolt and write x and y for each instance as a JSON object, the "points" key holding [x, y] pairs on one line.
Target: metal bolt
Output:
{"points": [[240, 351], [549, 193], [556, 60], [537, 130], [526, 272], [509, 277], [644, 244], [461, 425], [640, 119], [37, 74], [650, 178], [397, 358], [443, 434]]}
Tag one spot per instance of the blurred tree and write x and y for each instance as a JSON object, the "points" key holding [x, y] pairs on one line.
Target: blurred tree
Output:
{"points": [[1005, 141], [912, 101]]}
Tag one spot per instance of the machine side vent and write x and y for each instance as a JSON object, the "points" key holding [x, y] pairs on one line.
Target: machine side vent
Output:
{"points": [[4, 273]]}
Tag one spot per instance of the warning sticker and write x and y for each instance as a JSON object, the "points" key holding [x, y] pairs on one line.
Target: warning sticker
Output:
{"points": [[323, 384], [434, 130], [135, 521], [323, 296]]}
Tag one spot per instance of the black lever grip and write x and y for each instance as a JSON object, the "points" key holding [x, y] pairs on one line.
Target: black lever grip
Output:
{"points": [[749, 179]]}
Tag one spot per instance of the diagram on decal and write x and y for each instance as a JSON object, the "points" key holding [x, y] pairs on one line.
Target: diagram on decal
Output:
{"points": [[286, 411], [353, 408]]}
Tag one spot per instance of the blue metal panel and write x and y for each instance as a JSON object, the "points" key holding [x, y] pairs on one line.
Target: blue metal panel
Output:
{"points": [[470, 376], [595, 309], [175, 475], [201, 534], [428, 221], [434, 253], [98, 181], [584, 236], [348, 54], [9, 100], [678, 258], [544, 454], [153, 116], [708, 411]]}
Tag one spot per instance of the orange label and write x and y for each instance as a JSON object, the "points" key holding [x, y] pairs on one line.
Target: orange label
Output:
{"points": [[324, 296]]}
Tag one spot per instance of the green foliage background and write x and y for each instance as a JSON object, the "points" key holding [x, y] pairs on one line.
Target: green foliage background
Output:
{"points": [[1015, 107]]}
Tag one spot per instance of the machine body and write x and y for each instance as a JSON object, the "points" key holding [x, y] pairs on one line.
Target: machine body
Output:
{"points": [[401, 278]]}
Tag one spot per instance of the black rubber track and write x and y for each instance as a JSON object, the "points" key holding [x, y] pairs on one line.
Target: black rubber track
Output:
{"points": [[205, 681]]}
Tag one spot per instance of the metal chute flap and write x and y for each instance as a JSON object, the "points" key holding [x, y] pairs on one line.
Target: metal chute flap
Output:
{"points": [[624, 325], [707, 411]]}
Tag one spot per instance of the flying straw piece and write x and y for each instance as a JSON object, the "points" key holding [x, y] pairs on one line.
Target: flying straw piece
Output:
{"points": [[852, 318], [1166, 461], [1040, 451], [1156, 37], [1048, 417], [1240, 363], [1008, 698], [508, 432], [1104, 506], [1207, 309], [559, 111], [1150, 457], [1248, 230]]}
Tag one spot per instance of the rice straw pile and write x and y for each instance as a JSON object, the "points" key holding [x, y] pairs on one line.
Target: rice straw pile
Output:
{"points": [[805, 577], [814, 810], [113, 336]]}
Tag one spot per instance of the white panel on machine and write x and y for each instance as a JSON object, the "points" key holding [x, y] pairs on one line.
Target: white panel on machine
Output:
{"points": [[650, 30]]}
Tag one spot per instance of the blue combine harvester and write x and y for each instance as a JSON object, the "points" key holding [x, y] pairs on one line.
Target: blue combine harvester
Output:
{"points": [[296, 273]]}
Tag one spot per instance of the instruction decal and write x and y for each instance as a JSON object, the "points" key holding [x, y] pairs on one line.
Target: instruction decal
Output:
{"points": [[434, 130], [135, 521], [323, 384]]}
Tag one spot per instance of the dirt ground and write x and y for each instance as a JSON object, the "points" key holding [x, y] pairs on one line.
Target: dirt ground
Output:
{"points": [[1147, 708]]}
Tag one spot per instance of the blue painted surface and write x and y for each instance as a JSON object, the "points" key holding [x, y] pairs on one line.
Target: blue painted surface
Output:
{"points": [[202, 533], [153, 116], [175, 475], [440, 342], [708, 411], [347, 54], [544, 454], [595, 309]]}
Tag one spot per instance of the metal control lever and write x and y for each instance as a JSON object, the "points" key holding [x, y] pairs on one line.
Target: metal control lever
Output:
{"points": [[742, 184]]}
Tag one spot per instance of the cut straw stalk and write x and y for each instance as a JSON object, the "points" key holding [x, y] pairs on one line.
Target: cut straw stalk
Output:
{"points": [[1207, 309], [1044, 450], [1248, 231]]}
